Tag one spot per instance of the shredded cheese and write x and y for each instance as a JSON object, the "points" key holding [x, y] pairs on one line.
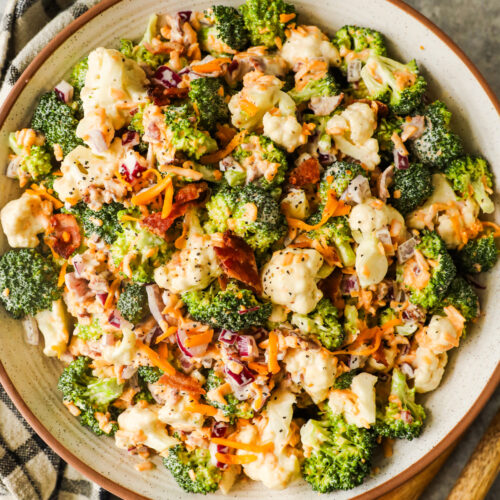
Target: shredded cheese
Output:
{"points": [[168, 200], [222, 153], [254, 448], [207, 410], [272, 363], [224, 458], [112, 289], [62, 274], [146, 196], [199, 339]]}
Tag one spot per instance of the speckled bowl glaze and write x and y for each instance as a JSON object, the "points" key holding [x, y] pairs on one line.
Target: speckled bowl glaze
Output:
{"points": [[473, 371]]}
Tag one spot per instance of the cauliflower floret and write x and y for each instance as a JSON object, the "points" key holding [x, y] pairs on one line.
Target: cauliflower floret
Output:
{"points": [[193, 268], [441, 335], [23, 219], [429, 368], [123, 352], [306, 43], [53, 324], [290, 279], [295, 204], [313, 369], [361, 409], [139, 425], [371, 262], [352, 131], [284, 130], [260, 93], [175, 413]]}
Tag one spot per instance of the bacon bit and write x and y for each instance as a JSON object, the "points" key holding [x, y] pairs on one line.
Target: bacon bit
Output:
{"points": [[253, 448], [456, 319], [167, 201], [207, 410], [211, 66], [181, 382], [64, 234], [111, 294], [224, 133], [162, 96], [143, 466], [146, 196], [168, 333], [222, 153], [272, 363], [308, 172], [225, 458], [62, 274], [199, 339], [183, 172], [258, 367], [237, 259], [191, 192], [155, 360], [42, 192]]}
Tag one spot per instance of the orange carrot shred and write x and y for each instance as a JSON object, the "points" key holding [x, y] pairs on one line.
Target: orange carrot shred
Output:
{"points": [[272, 363], [222, 153], [199, 339], [154, 358], [254, 448]]}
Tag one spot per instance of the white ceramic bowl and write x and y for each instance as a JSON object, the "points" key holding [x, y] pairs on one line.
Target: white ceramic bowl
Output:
{"points": [[473, 371]]}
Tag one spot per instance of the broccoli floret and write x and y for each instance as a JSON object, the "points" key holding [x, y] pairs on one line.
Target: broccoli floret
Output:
{"points": [[351, 320], [234, 308], [263, 20], [338, 176], [322, 323], [88, 393], [324, 87], [438, 145], [441, 275], [149, 374], [185, 135], [478, 256], [340, 455], [103, 223], [78, 74], [401, 418], [358, 39], [471, 177], [133, 303], [220, 207], [136, 121], [28, 282], [385, 129], [397, 84], [411, 187], [93, 331], [462, 296], [185, 465], [258, 149], [212, 107], [57, 121], [234, 408], [334, 232], [344, 381], [36, 162], [148, 249]]}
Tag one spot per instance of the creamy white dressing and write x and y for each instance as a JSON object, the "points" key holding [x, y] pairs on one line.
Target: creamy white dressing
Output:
{"points": [[53, 325]]}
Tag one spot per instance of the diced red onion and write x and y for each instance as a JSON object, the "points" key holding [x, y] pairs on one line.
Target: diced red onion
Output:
{"points": [[78, 265], [219, 429], [326, 159], [12, 167], [357, 191], [401, 161], [64, 91], [184, 16], [354, 71], [414, 313], [247, 347], [349, 284], [214, 449], [114, 319], [228, 337], [241, 379], [130, 138], [249, 310], [191, 352], [155, 303], [408, 370], [167, 77], [97, 141], [31, 330], [384, 181], [323, 106], [102, 297], [406, 250], [132, 167]]}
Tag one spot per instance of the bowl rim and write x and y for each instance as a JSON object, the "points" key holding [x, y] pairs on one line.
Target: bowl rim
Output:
{"points": [[116, 488]]}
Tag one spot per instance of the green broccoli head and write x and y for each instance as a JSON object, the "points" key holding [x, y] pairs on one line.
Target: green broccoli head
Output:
{"points": [[149, 374], [324, 87], [399, 85], [78, 74], [338, 176], [193, 470], [220, 207], [234, 408], [335, 232], [438, 145], [462, 296], [358, 39], [103, 223], [92, 331], [28, 282], [344, 380], [411, 187], [88, 393], [263, 20], [441, 276], [340, 456], [212, 107], [262, 150], [57, 121], [351, 315], [133, 303], [36, 161], [478, 255], [385, 129], [234, 308], [182, 123], [401, 418], [322, 324], [471, 177]]}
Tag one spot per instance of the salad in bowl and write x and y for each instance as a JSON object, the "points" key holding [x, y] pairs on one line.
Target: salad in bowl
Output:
{"points": [[250, 242]]}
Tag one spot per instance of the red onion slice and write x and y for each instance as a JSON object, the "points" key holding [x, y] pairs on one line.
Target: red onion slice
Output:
{"points": [[228, 337], [167, 77], [219, 429], [102, 297], [130, 138], [401, 161], [247, 347], [384, 181], [64, 91], [241, 379], [354, 71], [31, 330], [184, 16], [190, 352], [406, 250]]}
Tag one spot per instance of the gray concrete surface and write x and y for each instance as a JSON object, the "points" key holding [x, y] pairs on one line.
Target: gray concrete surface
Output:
{"points": [[475, 26]]}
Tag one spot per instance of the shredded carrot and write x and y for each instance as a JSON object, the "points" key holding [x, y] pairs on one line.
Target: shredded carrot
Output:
{"points": [[146, 196], [183, 172], [112, 289], [222, 153], [211, 66], [170, 331], [258, 367], [496, 227], [199, 339], [154, 358], [163, 351], [40, 191], [168, 199], [254, 448], [207, 410], [159, 177], [224, 458], [62, 274], [272, 363]]}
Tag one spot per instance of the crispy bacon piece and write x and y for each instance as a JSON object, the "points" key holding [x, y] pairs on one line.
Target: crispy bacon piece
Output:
{"points": [[185, 198], [162, 96], [379, 355], [64, 234], [238, 260], [306, 173], [182, 382]]}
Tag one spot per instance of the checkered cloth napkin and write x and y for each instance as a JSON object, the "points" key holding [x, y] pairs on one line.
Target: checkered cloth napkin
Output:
{"points": [[29, 469]]}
